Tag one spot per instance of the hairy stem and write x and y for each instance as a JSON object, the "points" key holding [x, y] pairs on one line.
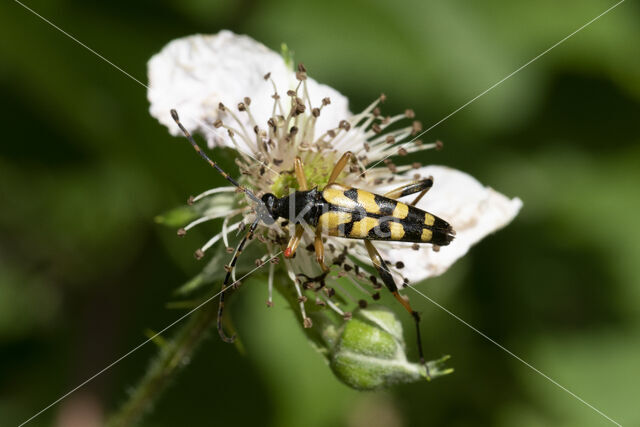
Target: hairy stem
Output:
{"points": [[173, 356]]}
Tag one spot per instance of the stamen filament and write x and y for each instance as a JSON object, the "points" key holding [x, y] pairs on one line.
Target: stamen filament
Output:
{"points": [[212, 191], [277, 101], [218, 236], [292, 276], [333, 306]]}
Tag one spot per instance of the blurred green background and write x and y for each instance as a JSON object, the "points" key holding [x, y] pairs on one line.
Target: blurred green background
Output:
{"points": [[84, 271]]}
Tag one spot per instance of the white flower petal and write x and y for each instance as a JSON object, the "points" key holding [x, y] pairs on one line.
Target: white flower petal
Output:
{"points": [[473, 210], [193, 74]]}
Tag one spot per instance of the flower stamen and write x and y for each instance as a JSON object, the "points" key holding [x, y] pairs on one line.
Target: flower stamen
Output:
{"points": [[218, 236]]}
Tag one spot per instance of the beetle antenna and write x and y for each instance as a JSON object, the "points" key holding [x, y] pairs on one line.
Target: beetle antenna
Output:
{"points": [[249, 193]]}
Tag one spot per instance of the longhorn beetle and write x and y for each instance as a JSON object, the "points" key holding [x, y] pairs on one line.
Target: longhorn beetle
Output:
{"points": [[341, 211]]}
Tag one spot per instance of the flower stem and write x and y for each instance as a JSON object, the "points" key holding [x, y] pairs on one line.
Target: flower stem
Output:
{"points": [[174, 355]]}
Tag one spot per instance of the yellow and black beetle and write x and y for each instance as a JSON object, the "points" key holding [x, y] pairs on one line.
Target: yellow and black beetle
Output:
{"points": [[341, 211]]}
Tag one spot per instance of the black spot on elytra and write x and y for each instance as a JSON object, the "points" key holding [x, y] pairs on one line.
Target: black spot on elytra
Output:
{"points": [[352, 194], [386, 205]]}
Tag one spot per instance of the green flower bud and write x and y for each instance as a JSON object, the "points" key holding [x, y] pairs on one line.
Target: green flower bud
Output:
{"points": [[369, 352]]}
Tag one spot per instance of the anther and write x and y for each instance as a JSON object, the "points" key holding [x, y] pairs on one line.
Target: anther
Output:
{"points": [[390, 139], [221, 107], [416, 165], [376, 128], [402, 151], [302, 299], [347, 315], [320, 303], [376, 296], [227, 268], [362, 303], [217, 123], [199, 254], [266, 76], [399, 264], [269, 303], [231, 133], [376, 112], [315, 112], [291, 93], [241, 106], [326, 101], [182, 232], [344, 125], [416, 127], [383, 97], [293, 130], [415, 247], [190, 200], [307, 322], [436, 248], [439, 145], [409, 114], [247, 100], [302, 68]]}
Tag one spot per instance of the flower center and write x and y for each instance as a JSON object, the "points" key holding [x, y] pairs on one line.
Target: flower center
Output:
{"points": [[317, 168]]}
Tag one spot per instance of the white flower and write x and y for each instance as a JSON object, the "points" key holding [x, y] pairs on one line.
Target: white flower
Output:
{"points": [[473, 211], [240, 94], [194, 74]]}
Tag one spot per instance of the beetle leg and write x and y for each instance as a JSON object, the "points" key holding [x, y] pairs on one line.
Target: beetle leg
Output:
{"points": [[340, 166], [227, 278], [420, 196], [386, 277], [294, 242], [421, 186], [320, 250], [299, 170], [320, 280]]}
